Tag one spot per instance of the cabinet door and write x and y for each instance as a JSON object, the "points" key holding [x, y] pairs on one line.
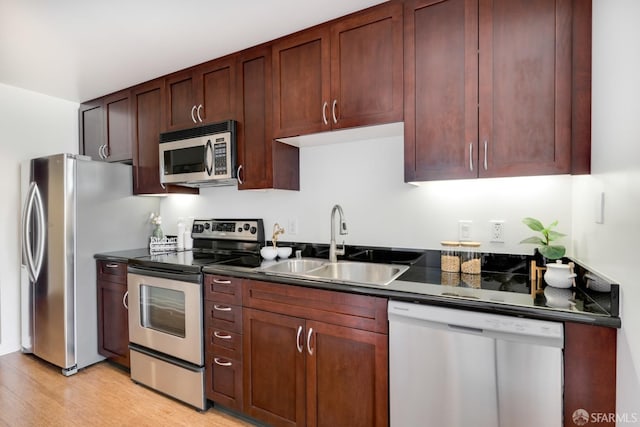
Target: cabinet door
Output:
{"points": [[347, 376], [441, 89], [366, 68], [118, 127], [525, 87], [274, 373], [91, 118], [180, 103], [216, 90], [146, 120], [263, 162], [301, 83], [113, 324]]}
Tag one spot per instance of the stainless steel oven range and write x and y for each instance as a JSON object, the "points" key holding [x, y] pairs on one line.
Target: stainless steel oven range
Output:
{"points": [[166, 305]]}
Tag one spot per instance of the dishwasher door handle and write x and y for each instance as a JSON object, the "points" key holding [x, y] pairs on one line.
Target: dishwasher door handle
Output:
{"points": [[465, 329]]}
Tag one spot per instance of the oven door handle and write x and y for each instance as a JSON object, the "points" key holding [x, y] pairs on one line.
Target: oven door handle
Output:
{"points": [[165, 274], [208, 157], [165, 358]]}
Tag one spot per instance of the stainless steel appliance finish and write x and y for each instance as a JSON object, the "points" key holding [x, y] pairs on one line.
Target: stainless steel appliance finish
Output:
{"points": [[199, 157], [165, 331], [166, 305], [455, 368], [74, 208]]}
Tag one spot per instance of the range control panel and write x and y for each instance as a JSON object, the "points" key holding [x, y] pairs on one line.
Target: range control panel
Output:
{"points": [[251, 230]]}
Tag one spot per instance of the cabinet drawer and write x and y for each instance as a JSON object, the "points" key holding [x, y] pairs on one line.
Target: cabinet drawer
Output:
{"points": [[338, 308], [224, 343], [227, 317], [112, 271], [224, 381], [223, 289]]}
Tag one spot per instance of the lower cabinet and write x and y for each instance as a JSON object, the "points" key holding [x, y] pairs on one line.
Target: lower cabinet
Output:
{"points": [[113, 317], [314, 357]]}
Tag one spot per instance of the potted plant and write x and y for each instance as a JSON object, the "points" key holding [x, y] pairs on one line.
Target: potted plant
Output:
{"points": [[545, 248]]}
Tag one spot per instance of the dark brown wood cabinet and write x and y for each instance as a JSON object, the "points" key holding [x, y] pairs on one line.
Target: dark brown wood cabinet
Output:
{"points": [[309, 351], [343, 74], [105, 128], [489, 87], [113, 317], [146, 119], [223, 340], [589, 371], [200, 95], [262, 162]]}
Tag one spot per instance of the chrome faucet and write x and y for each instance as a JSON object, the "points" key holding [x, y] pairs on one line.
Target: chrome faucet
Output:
{"points": [[333, 250]]}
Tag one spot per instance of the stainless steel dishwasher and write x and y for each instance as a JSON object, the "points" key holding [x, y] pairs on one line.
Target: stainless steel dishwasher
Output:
{"points": [[457, 368]]}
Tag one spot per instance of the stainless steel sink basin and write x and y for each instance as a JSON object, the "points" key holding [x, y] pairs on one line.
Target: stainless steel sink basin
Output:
{"points": [[358, 272], [293, 266], [349, 272]]}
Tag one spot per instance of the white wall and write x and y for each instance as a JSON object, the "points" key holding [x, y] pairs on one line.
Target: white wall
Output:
{"points": [[612, 247], [366, 178], [31, 125]]}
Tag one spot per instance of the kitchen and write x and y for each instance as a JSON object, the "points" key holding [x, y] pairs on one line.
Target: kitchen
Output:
{"points": [[428, 213]]}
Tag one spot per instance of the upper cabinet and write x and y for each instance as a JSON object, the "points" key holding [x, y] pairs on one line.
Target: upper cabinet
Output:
{"points": [[344, 74], [490, 88], [146, 118], [200, 95], [105, 128], [262, 162]]}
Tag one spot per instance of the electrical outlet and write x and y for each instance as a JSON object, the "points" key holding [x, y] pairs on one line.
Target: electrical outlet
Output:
{"points": [[497, 231], [464, 230], [292, 226]]}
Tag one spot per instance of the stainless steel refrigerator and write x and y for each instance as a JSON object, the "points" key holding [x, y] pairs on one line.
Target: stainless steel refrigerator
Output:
{"points": [[73, 208]]}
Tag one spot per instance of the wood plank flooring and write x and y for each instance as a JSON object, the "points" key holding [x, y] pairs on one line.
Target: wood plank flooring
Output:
{"points": [[35, 393]]}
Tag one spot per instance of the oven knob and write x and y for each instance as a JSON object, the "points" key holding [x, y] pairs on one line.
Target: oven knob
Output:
{"points": [[246, 226], [253, 230], [206, 225], [239, 229]]}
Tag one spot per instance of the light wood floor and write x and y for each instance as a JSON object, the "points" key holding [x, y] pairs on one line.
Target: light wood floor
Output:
{"points": [[35, 393]]}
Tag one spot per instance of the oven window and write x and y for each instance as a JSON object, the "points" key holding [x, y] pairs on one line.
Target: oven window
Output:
{"points": [[162, 310], [184, 160]]}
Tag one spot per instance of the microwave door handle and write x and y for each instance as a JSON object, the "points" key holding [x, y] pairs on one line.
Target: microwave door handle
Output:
{"points": [[208, 157]]}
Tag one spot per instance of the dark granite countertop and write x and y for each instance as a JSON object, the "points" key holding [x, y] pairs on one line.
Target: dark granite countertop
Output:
{"points": [[503, 286]]}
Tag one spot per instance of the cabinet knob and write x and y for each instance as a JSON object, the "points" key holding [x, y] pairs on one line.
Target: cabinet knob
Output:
{"points": [[485, 154], [222, 362], [198, 113], [221, 307], [309, 349], [333, 111], [222, 282], [238, 175], [324, 113], [193, 117], [471, 156], [299, 344], [125, 298]]}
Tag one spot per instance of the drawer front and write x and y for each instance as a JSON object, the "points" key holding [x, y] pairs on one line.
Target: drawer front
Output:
{"points": [[337, 308], [224, 342], [224, 381], [112, 271], [223, 316], [223, 289]]}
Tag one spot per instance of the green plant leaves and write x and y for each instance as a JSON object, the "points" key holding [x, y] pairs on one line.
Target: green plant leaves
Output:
{"points": [[533, 224], [533, 240], [552, 252]]}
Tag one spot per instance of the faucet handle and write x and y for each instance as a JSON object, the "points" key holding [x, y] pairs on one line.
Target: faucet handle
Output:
{"points": [[343, 229]]}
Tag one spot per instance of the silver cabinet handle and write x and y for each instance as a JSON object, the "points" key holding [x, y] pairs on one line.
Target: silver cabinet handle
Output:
{"points": [[111, 265], [198, 113], [221, 336], [333, 111], [221, 307], [298, 343], [101, 152], [193, 117], [105, 150], [221, 362], [238, 175], [324, 113], [309, 349], [124, 300], [222, 282], [485, 154], [471, 156]]}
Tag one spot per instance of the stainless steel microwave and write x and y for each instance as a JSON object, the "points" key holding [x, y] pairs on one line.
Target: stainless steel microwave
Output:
{"points": [[199, 157]]}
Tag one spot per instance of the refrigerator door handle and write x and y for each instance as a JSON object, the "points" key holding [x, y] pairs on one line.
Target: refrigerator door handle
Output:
{"points": [[33, 260], [42, 230], [27, 252]]}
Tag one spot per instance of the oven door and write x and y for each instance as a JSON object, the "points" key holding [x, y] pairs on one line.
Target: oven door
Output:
{"points": [[165, 315]]}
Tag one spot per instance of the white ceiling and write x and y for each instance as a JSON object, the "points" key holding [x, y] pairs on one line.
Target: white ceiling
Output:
{"points": [[82, 49]]}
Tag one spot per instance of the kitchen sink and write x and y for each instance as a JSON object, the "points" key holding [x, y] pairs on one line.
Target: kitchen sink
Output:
{"points": [[348, 272], [293, 266]]}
